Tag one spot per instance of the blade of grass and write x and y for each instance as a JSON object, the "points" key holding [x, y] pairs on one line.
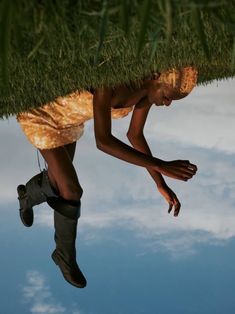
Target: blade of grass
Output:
{"points": [[169, 21], [5, 42], [153, 50], [35, 48], [124, 15], [198, 24], [154, 45], [103, 28], [233, 55], [144, 25]]}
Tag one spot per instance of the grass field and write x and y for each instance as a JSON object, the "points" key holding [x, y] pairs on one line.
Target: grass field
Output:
{"points": [[50, 48]]}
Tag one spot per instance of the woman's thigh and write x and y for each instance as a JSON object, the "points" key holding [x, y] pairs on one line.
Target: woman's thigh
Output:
{"points": [[70, 148], [62, 173]]}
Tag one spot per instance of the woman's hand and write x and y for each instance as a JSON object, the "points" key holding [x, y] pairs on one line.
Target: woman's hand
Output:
{"points": [[171, 198], [177, 169]]}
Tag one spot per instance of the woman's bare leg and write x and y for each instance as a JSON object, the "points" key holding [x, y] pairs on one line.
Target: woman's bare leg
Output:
{"points": [[71, 149], [61, 172]]}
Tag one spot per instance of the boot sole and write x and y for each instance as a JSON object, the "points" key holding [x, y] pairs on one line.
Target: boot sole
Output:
{"points": [[21, 191], [56, 261]]}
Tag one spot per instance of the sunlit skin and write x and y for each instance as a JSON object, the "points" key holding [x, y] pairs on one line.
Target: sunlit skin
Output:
{"points": [[151, 92]]}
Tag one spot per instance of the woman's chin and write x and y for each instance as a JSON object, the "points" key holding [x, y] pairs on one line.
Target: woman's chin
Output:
{"points": [[154, 101]]}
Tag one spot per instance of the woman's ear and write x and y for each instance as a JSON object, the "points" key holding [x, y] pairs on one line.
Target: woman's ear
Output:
{"points": [[156, 75]]}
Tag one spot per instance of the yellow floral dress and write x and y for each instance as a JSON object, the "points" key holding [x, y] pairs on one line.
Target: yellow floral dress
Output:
{"points": [[62, 121]]}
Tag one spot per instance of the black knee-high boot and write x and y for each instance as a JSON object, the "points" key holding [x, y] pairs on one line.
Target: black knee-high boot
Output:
{"points": [[34, 192], [65, 236]]}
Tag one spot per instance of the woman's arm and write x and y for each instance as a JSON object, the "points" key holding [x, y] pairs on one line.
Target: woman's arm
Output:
{"points": [[109, 144], [136, 137]]}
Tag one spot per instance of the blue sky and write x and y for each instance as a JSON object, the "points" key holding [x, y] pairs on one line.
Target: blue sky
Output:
{"points": [[137, 257]]}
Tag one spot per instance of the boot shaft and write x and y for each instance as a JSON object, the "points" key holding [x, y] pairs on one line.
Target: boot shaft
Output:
{"points": [[66, 232]]}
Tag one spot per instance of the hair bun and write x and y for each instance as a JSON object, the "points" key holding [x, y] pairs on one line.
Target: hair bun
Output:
{"points": [[183, 79]]}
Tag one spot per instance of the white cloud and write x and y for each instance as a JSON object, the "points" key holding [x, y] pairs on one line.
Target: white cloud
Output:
{"points": [[18, 159], [41, 308], [44, 215], [38, 294], [35, 285]]}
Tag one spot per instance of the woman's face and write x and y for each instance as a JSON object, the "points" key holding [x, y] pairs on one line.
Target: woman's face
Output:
{"points": [[162, 94]]}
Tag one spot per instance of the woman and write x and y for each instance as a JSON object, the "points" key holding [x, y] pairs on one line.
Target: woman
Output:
{"points": [[54, 129]]}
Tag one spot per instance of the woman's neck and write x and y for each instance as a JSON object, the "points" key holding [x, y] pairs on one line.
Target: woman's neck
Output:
{"points": [[127, 97], [136, 97]]}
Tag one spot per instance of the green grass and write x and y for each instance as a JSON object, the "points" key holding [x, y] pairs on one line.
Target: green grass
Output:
{"points": [[50, 48]]}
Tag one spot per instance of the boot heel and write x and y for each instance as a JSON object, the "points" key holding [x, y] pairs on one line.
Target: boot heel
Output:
{"points": [[21, 191], [26, 212], [55, 258]]}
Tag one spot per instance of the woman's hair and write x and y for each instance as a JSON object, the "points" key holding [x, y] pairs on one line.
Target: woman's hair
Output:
{"points": [[183, 80]]}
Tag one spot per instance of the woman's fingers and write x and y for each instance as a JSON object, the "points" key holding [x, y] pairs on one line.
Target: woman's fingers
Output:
{"points": [[180, 169], [170, 206], [177, 206], [185, 172], [174, 202], [189, 165], [177, 174]]}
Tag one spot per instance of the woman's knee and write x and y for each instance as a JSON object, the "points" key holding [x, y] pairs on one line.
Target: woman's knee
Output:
{"points": [[71, 192]]}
